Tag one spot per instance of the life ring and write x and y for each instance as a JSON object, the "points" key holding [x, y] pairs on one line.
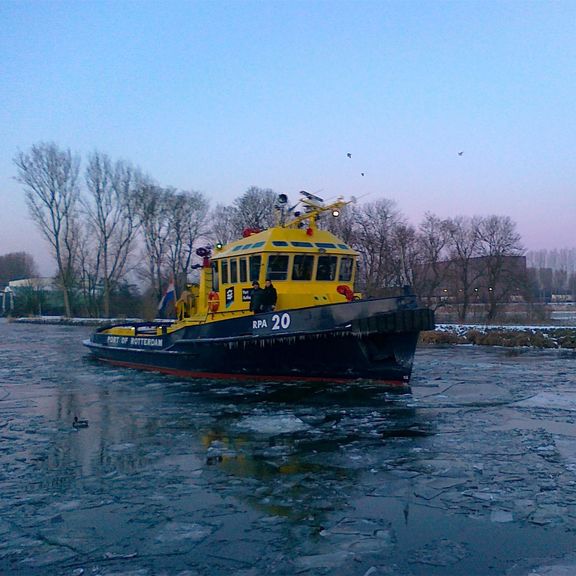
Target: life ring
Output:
{"points": [[345, 291], [213, 301]]}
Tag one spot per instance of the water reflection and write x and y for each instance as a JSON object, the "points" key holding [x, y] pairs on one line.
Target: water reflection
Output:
{"points": [[287, 441]]}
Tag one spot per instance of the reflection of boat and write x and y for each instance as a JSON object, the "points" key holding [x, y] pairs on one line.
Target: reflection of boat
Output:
{"points": [[319, 329]]}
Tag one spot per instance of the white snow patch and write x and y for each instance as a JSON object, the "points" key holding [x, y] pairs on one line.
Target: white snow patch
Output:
{"points": [[273, 424], [567, 449], [562, 569], [564, 401], [181, 531], [487, 327]]}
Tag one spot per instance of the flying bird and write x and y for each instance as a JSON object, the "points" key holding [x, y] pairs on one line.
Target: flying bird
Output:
{"points": [[349, 155], [362, 173], [460, 153]]}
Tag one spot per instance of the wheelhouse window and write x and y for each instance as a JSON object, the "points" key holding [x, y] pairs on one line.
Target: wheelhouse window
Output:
{"points": [[302, 267], [233, 271], [215, 277], [277, 267], [255, 263], [302, 244], [243, 269], [224, 271], [346, 268], [326, 268]]}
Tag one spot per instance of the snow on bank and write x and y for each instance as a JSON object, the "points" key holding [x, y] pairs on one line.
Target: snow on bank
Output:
{"points": [[62, 320], [480, 334], [510, 336], [500, 327]]}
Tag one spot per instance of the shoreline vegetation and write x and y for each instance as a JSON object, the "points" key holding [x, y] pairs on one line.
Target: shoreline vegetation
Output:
{"points": [[517, 336], [64, 321]]}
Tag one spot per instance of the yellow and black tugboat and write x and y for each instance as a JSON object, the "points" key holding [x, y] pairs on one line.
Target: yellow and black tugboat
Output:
{"points": [[278, 304]]}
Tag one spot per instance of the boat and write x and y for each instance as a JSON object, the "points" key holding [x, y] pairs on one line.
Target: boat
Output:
{"points": [[318, 329]]}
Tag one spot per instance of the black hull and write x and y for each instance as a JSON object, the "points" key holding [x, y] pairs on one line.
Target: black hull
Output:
{"points": [[371, 339]]}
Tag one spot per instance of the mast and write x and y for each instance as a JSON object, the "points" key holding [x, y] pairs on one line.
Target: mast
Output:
{"points": [[313, 207]]}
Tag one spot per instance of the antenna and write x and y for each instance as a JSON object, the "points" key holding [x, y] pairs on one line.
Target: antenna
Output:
{"points": [[312, 197]]}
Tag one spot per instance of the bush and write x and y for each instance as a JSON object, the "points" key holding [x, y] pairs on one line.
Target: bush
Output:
{"points": [[565, 338], [553, 338], [439, 337]]}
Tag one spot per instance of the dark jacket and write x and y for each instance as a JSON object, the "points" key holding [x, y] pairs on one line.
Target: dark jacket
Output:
{"points": [[269, 297], [256, 300]]}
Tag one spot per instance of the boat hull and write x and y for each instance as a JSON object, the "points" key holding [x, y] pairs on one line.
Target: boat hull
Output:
{"points": [[367, 339]]}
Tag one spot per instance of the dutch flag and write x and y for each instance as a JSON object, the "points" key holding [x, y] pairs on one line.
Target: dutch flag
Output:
{"points": [[169, 296]]}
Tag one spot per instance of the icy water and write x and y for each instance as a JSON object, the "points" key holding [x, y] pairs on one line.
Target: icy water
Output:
{"points": [[474, 472]]}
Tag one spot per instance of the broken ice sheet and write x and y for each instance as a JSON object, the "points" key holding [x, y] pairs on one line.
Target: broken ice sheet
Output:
{"points": [[565, 400], [427, 492], [501, 516], [178, 532], [361, 526], [548, 514], [567, 450], [439, 553], [273, 425], [121, 447], [330, 560], [564, 567], [359, 535], [45, 555]]}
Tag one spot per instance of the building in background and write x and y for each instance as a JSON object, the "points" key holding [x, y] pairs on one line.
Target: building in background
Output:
{"points": [[31, 296]]}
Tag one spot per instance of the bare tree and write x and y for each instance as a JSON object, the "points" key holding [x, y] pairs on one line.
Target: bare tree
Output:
{"points": [[110, 209], [88, 270], [254, 209], [500, 245], [16, 266], [406, 253], [153, 207], [463, 243], [222, 224], [187, 216], [429, 272], [572, 285], [345, 225], [376, 224], [50, 179]]}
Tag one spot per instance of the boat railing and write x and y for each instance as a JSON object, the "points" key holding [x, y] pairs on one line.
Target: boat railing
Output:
{"points": [[141, 328]]}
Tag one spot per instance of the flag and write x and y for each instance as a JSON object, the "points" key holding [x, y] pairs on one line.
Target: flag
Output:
{"points": [[169, 296]]}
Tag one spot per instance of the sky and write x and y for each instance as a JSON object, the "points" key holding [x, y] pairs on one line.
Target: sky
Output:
{"points": [[218, 96]]}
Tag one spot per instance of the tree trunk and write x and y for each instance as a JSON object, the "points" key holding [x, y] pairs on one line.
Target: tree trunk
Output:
{"points": [[106, 297]]}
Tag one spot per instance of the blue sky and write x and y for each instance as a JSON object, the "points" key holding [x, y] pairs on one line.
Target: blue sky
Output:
{"points": [[218, 96]]}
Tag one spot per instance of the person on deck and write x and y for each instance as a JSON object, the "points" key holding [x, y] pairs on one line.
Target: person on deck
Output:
{"points": [[256, 298], [269, 297]]}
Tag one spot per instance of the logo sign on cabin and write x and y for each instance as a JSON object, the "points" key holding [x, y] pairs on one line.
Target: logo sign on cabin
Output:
{"points": [[229, 296]]}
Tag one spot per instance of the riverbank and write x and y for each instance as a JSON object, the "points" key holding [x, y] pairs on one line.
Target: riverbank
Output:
{"points": [[63, 321], [480, 335], [508, 336]]}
